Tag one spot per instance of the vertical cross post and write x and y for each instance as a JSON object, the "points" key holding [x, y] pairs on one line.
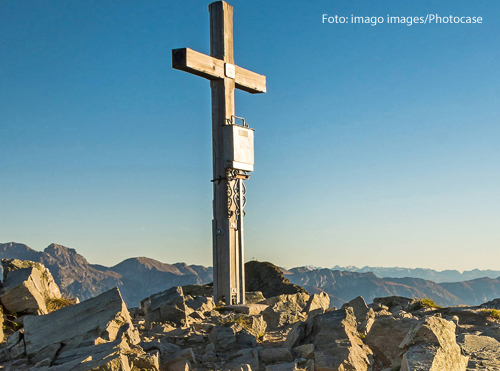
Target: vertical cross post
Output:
{"points": [[227, 266], [228, 174]]}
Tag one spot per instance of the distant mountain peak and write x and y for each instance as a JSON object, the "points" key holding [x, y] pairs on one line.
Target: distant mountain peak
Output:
{"points": [[59, 249]]}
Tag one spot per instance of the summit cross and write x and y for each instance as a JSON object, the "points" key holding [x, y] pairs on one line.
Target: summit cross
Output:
{"points": [[232, 148]]}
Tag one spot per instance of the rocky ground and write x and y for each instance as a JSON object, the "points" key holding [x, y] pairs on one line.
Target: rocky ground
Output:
{"points": [[282, 327]]}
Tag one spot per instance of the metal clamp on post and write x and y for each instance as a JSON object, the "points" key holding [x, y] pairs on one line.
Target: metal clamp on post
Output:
{"points": [[231, 121]]}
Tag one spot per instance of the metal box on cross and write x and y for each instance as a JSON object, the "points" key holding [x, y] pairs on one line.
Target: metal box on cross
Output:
{"points": [[238, 147]]}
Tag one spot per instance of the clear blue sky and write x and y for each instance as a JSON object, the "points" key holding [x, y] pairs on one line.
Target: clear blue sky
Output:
{"points": [[374, 145]]}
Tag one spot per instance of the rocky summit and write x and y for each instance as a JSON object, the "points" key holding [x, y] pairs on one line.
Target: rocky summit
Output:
{"points": [[283, 327]]}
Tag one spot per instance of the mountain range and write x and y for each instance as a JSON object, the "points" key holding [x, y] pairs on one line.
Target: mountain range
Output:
{"points": [[343, 286], [140, 277], [137, 278], [424, 273]]}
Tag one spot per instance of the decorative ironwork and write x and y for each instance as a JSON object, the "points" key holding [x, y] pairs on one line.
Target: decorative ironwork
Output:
{"points": [[237, 198], [230, 176]]}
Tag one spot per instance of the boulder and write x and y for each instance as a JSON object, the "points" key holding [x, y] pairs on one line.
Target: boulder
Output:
{"points": [[305, 351], [27, 287], [248, 357], [431, 345], [222, 337], [337, 345], [365, 326], [359, 308], [385, 336], [104, 318], [182, 360], [201, 304], [14, 339], [295, 335], [148, 361], [394, 303], [166, 349], [483, 351], [275, 355], [106, 356], [285, 309], [268, 279], [279, 318], [254, 297], [198, 290], [166, 306], [255, 325], [318, 303], [246, 339], [289, 302]]}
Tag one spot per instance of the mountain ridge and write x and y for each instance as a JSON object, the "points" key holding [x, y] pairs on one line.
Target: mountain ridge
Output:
{"points": [[448, 275], [139, 277]]}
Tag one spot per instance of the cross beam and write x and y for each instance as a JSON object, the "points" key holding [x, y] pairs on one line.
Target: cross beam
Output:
{"points": [[224, 76], [203, 65]]}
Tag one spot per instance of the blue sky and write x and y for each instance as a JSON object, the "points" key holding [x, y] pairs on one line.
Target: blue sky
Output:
{"points": [[374, 145]]}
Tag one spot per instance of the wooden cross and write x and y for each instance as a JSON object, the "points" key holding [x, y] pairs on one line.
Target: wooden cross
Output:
{"points": [[224, 76]]}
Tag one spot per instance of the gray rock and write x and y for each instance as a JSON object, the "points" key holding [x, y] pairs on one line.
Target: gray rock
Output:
{"points": [[49, 352], [19, 363], [209, 356], [431, 345], [201, 304], [180, 360], [107, 356], [492, 304], [162, 345], [45, 363], [104, 317], [295, 335], [319, 301], [248, 357], [166, 306], [396, 302], [304, 351], [483, 351], [14, 339], [359, 308], [256, 325], [365, 327], [27, 287], [290, 366], [222, 337], [254, 297], [285, 309], [246, 339], [275, 355], [250, 309], [268, 279], [385, 336], [18, 351], [148, 361], [336, 343]]}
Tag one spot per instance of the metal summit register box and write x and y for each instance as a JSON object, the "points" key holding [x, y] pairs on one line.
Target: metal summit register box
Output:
{"points": [[238, 147]]}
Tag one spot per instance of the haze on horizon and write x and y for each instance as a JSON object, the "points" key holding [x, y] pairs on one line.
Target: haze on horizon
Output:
{"points": [[375, 146]]}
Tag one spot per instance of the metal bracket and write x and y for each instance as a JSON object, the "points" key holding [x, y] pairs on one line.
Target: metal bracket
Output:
{"points": [[230, 121]]}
